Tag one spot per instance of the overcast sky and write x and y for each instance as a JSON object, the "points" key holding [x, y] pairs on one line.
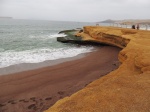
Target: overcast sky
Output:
{"points": [[76, 10]]}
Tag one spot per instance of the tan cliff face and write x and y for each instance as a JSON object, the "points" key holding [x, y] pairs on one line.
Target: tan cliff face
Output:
{"points": [[126, 89]]}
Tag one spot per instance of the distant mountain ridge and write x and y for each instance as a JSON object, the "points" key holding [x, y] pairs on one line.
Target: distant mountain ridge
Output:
{"points": [[126, 21], [107, 21], [1, 17]]}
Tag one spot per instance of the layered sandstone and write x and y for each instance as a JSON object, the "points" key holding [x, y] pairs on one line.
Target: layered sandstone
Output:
{"points": [[126, 89]]}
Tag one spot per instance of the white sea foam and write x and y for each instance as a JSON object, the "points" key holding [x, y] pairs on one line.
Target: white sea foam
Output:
{"points": [[39, 55], [44, 37], [57, 35]]}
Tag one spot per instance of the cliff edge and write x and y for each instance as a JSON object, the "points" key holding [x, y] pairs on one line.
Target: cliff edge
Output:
{"points": [[126, 89]]}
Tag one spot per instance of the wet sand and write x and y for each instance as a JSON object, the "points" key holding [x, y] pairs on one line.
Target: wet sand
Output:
{"points": [[37, 90]]}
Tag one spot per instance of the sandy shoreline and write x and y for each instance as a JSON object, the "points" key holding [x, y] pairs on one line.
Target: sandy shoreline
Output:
{"points": [[37, 90], [32, 66]]}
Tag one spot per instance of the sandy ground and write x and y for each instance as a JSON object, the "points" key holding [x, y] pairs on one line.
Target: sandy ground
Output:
{"points": [[37, 90]]}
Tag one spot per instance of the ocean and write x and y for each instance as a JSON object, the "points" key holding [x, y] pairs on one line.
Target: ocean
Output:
{"points": [[34, 41]]}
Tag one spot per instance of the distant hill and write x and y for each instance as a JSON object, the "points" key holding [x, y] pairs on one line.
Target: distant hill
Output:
{"points": [[6, 17], [107, 21], [141, 21]]}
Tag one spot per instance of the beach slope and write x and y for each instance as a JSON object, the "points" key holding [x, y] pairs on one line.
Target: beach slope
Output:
{"points": [[37, 90]]}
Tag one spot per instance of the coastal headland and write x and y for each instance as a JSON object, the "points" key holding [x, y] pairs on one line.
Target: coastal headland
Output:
{"points": [[127, 89]]}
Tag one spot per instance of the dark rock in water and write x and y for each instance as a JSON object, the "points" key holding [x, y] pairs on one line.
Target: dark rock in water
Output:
{"points": [[68, 39], [77, 41], [68, 31], [62, 39], [71, 38]]}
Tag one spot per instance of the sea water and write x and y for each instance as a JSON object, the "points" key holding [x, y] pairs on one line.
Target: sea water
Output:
{"points": [[34, 41]]}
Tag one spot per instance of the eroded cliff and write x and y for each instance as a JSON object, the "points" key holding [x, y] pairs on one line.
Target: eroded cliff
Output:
{"points": [[126, 89]]}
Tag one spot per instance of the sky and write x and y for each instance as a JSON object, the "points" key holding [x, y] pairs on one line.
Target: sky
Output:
{"points": [[75, 10]]}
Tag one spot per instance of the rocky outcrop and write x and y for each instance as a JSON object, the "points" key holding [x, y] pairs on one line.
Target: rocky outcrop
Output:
{"points": [[72, 38], [126, 89]]}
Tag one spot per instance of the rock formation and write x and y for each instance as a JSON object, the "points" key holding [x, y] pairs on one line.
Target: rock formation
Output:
{"points": [[126, 89], [72, 38]]}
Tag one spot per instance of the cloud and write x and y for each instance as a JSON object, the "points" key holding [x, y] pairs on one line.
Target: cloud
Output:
{"points": [[75, 10]]}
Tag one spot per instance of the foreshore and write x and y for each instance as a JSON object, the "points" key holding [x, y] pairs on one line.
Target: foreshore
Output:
{"points": [[31, 66], [37, 90]]}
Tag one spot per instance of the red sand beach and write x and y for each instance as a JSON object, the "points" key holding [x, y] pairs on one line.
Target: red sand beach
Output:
{"points": [[37, 90]]}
